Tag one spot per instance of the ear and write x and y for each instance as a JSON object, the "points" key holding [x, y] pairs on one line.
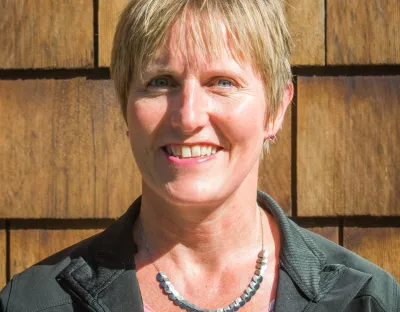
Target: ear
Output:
{"points": [[273, 126]]}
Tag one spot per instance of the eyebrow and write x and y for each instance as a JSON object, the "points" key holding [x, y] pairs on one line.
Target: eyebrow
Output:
{"points": [[157, 69]]}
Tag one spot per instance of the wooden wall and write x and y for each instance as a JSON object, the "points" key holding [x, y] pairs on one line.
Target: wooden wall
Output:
{"points": [[66, 169]]}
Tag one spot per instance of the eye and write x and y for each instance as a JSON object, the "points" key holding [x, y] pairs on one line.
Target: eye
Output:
{"points": [[225, 83], [160, 82]]}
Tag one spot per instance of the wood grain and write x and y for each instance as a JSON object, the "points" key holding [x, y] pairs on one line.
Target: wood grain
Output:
{"points": [[306, 19], [109, 10], [379, 245], [329, 232], [42, 34], [3, 258], [348, 136], [275, 169], [29, 246], [64, 153], [363, 32]]}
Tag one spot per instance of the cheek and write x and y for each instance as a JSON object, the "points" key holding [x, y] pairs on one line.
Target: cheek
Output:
{"points": [[145, 116], [245, 122]]}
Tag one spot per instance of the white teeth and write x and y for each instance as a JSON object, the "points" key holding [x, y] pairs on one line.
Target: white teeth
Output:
{"points": [[196, 151], [185, 151]]}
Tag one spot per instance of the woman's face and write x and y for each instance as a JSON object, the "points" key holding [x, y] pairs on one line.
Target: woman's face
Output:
{"points": [[196, 126]]}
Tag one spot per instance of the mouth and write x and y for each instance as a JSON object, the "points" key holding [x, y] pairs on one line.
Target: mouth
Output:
{"points": [[191, 151]]}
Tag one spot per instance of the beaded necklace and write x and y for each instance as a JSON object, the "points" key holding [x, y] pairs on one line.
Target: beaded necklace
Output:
{"points": [[249, 292]]}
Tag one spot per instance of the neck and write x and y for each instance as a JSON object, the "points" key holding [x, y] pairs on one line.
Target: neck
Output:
{"points": [[207, 235]]}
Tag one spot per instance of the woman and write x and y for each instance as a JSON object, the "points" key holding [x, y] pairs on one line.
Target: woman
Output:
{"points": [[203, 86]]}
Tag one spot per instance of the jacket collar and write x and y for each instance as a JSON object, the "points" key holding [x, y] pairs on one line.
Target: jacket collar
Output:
{"points": [[90, 276], [304, 276]]}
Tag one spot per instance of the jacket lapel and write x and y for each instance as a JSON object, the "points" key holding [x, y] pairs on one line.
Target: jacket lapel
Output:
{"points": [[104, 278], [346, 288], [289, 296], [306, 281]]}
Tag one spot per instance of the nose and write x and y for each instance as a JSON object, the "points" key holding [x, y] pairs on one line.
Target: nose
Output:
{"points": [[190, 111]]}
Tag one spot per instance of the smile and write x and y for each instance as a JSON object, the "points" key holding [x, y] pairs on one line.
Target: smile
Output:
{"points": [[191, 151]]}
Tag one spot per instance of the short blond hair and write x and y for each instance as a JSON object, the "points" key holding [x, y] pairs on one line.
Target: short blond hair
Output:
{"points": [[256, 29]]}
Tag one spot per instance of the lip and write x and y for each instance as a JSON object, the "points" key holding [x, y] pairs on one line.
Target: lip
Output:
{"points": [[188, 161], [194, 143]]}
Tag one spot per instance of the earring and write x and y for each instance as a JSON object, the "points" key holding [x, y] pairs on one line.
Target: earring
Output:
{"points": [[272, 138]]}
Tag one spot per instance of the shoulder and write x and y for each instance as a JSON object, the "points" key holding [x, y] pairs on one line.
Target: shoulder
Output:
{"points": [[42, 287], [382, 288], [37, 288]]}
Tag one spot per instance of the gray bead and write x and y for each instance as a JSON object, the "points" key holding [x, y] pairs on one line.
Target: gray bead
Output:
{"points": [[166, 286], [227, 309], [250, 291], [171, 297], [260, 272], [257, 278], [261, 266], [263, 254], [159, 277], [163, 284], [220, 310], [183, 304], [245, 297], [190, 306], [235, 306], [262, 261], [174, 291], [254, 285], [240, 302], [167, 290]]}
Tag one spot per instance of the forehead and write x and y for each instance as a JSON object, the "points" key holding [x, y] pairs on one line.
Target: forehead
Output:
{"points": [[187, 44]]}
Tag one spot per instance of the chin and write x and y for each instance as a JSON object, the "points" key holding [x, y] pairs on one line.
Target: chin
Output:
{"points": [[189, 193], [193, 194]]}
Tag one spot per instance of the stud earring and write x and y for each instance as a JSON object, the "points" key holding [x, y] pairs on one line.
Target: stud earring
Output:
{"points": [[272, 138]]}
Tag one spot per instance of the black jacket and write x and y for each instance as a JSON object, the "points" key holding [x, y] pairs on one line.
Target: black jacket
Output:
{"points": [[98, 274]]}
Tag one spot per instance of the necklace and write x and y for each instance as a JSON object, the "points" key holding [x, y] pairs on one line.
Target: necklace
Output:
{"points": [[251, 289]]}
